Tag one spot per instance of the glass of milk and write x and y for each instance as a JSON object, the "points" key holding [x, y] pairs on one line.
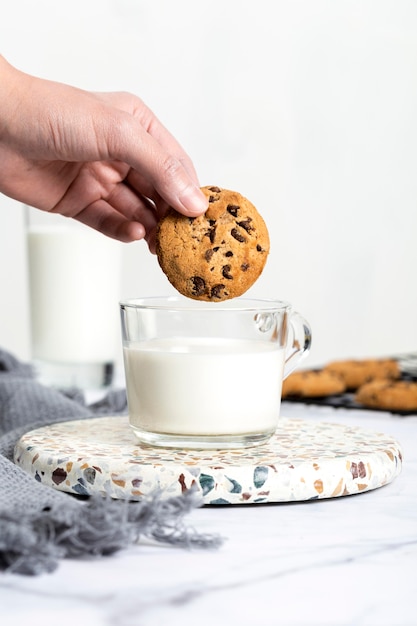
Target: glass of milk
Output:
{"points": [[208, 375], [74, 282]]}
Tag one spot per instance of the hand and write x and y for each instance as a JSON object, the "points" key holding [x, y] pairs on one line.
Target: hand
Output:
{"points": [[103, 159]]}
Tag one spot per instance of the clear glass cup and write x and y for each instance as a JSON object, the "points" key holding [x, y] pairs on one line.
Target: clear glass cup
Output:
{"points": [[204, 375], [74, 286]]}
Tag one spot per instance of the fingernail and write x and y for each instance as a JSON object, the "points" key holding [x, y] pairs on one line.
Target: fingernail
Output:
{"points": [[194, 201]]}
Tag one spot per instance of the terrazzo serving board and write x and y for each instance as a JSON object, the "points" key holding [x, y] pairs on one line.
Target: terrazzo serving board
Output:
{"points": [[302, 461]]}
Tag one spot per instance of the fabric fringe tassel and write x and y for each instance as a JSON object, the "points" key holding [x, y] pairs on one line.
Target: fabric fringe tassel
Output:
{"points": [[34, 544]]}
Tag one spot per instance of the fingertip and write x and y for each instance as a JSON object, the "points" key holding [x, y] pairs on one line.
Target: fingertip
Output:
{"points": [[133, 231], [193, 201]]}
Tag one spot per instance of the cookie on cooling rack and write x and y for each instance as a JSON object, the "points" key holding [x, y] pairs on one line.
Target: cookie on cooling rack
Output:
{"points": [[398, 395], [357, 372], [215, 256], [313, 384]]}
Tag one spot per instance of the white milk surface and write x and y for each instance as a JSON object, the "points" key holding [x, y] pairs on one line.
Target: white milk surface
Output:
{"points": [[204, 386], [74, 287]]}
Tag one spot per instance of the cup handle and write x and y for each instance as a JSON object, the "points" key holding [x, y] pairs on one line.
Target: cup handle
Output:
{"points": [[298, 344]]}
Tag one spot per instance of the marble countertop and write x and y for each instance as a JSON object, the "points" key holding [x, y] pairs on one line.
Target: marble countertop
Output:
{"points": [[344, 561]]}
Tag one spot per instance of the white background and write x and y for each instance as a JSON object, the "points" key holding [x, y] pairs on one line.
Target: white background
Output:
{"points": [[307, 107]]}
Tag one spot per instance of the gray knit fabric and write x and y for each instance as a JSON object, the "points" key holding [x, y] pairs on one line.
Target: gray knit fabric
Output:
{"points": [[38, 525]]}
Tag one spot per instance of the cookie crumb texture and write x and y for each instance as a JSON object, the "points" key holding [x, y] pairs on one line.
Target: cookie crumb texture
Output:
{"points": [[218, 255], [357, 372], [389, 395], [312, 384]]}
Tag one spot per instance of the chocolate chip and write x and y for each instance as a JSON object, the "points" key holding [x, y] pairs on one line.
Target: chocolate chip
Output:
{"points": [[259, 248], [226, 272], [212, 198], [199, 285], [237, 235], [245, 224], [215, 249], [208, 254], [228, 253], [211, 234], [244, 267], [233, 209], [216, 291], [215, 189]]}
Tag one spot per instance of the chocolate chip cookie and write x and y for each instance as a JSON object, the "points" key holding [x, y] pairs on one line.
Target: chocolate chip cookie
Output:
{"points": [[218, 255], [312, 384], [358, 372], [399, 395]]}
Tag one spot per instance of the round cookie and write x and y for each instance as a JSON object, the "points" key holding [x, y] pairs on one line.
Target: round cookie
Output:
{"points": [[312, 384], [358, 372], [215, 256], [397, 395]]}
